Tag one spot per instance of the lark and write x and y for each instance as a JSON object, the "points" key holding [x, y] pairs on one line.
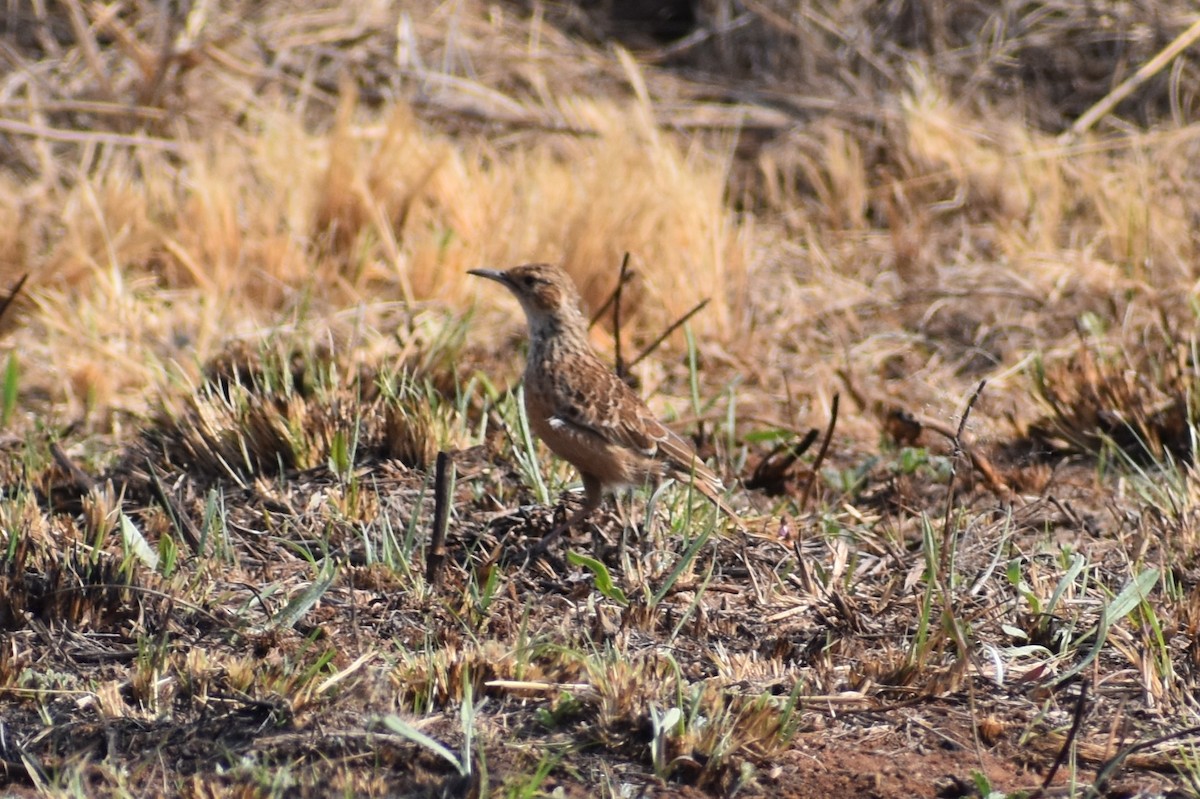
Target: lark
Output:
{"points": [[584, 412]]}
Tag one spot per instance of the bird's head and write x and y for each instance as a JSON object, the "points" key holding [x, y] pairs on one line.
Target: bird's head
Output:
{"points": [[546, 293]]}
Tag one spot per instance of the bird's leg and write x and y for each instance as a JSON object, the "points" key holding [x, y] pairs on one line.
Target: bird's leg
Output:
{"points": [[592, 495]]}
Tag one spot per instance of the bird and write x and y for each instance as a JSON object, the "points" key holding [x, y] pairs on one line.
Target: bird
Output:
{"points": [[582, 410]]}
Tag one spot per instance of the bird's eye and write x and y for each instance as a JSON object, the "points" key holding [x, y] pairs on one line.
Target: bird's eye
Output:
{"points": [[529, 281]]}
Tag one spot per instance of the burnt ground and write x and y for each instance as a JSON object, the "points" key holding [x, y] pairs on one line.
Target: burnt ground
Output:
{"points": [[797, 649]]}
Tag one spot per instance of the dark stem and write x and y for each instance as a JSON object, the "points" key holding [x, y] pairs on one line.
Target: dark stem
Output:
{"points": [[12, 294], [616, 304], [599, 314], [816, 467], [443, 486], [674, 326]]}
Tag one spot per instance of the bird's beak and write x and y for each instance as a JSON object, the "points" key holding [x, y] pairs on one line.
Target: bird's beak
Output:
{"points": [[491, 274]]}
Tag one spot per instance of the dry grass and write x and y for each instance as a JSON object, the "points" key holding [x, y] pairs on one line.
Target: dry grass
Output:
{"points": [[247, 332]]}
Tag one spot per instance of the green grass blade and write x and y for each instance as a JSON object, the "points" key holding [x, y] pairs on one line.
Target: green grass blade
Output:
{"points": [[136, 543], [303, 602], [10, 390], [604, 582], [406, 730]]}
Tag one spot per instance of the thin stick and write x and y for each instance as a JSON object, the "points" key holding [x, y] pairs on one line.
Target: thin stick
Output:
{"points": [[182, 523], [947, 531], [12, 294], [1076, 723], [773, 469], [1147, 71], [87, 136], [816, 467], [171, 599], [1104, 773], [598, 315], [87, 41], [616, 304], [96, 107], [81, 481], [978, 459], [443, 489], [675, 326]]}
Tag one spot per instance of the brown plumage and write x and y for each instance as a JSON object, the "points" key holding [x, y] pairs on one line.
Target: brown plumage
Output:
{"points": [[585, 413]]}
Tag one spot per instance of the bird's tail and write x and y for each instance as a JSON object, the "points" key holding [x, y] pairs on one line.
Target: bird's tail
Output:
{"points": [[707, 483]]}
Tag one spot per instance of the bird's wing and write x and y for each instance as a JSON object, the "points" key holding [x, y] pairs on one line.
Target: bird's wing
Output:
{"points": [[617, 414], [610, 410]]}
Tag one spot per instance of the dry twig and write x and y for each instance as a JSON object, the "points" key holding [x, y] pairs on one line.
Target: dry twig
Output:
{"points": [[626, 276], [7, 302], [1147, 71], [653, 345], [443, 491], [817, 461]]}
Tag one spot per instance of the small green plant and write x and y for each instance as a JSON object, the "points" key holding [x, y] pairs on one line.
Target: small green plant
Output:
{"points": [[562, 709], [526, 453], [529, 786], [686, 560], [381, 544], [483, 592], [467, 760], [303, 602], [341, 456], [168, 555], [135, 543], [1130, 597], [851, 481], [604, 581], [462, 764], [215, 526], [919, 461], [984, 786], [1043, 613], [10, 392], [664, 725]]}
